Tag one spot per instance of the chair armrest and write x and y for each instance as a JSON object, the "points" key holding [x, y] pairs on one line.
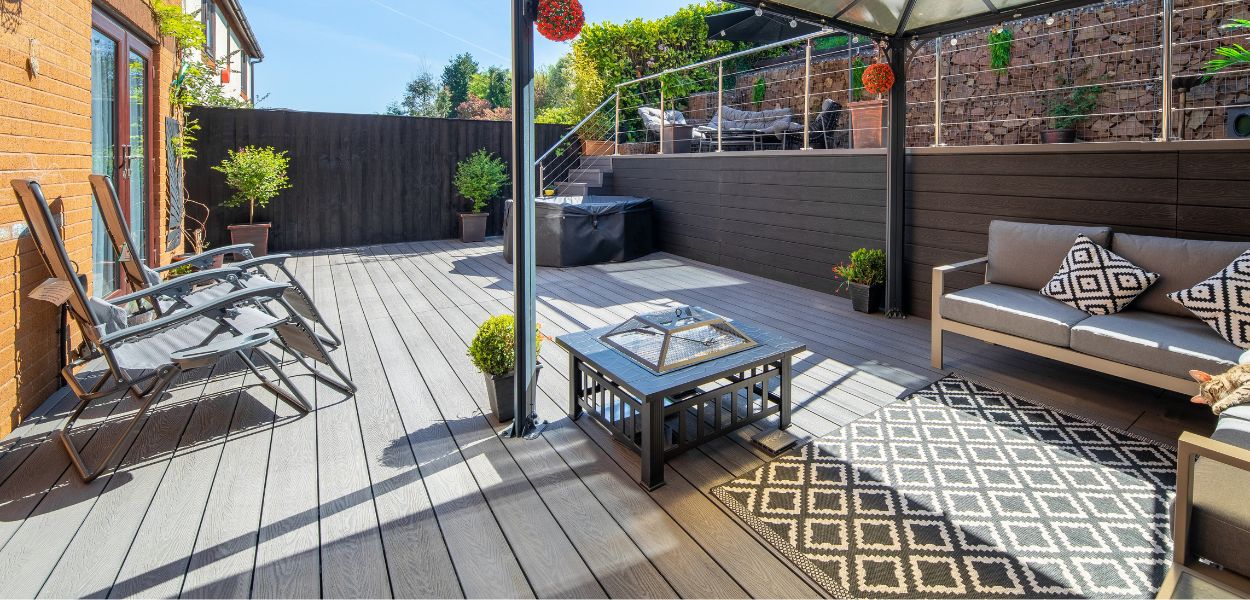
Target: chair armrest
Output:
{"points": [[273, 259], [178, 287], [208, 310], [939, 274], [1189, 448], [205, 259]]}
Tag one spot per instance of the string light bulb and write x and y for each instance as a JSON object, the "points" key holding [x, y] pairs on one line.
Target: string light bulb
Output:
{"points": [[759, 12], [794, 24]]}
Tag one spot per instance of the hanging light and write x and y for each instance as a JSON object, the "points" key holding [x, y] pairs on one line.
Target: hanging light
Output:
{"points": [[759, 12], [954, 41], [794, 24], [1050, 20], [722, 33]]}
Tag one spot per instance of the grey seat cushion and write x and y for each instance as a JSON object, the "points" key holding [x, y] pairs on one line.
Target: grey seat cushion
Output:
{"points": [[1016, 311], [1181, 265], [1160, 343], [1027, 255], [1220, 530]]}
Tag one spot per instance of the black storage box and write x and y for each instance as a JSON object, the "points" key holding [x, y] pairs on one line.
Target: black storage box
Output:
{"points": [[570, 232]]}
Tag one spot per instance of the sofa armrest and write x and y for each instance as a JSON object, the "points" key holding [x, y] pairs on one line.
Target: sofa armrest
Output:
{"points": [[939, 278], [1189, 448]]}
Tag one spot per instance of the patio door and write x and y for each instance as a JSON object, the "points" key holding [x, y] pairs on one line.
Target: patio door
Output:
{"points": [[121, 78]]}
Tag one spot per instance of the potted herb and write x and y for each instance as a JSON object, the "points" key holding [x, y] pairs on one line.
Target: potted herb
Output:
{"points": [[865, 277], [478, 179], [257, 176], [1068, 108], [493, 351]]}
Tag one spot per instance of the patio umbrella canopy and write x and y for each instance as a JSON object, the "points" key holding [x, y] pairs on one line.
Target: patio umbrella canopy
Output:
{"points": [[912, 17], [743, 25]]}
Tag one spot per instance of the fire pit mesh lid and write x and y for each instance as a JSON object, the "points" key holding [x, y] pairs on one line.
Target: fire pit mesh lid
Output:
{"points": [[671, 339]]}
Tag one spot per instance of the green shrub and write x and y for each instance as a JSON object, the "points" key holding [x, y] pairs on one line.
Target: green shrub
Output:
{"points": [[832, 42], [493, 349], [857, 78], [1070, 108], [759, 91], [1000, 41], [257, 176], [479, 178], [867, 267]]}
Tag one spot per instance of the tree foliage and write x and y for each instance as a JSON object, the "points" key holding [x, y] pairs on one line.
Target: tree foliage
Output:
{"points": [[1231, 55], [456, 78], [480, 177], [493, 85], [257, 176], [421, 98]]}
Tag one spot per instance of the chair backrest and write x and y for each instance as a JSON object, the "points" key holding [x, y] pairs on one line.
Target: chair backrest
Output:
{"points": [[47, 236], [118, 233]]}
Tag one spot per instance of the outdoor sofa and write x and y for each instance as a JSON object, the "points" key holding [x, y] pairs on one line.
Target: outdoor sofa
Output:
{"points": [[1155, 340]]}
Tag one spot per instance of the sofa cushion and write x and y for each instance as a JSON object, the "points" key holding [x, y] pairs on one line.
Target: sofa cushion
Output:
{"points": [[1160, 343], [1223, 301], [651, 118], [1220, 530], [1026, 255], [1015, 311], [1097, 280], [1181, 264]]}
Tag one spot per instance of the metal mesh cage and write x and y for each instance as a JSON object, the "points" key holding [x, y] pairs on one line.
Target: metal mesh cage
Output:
{"points": [[667, 340]]}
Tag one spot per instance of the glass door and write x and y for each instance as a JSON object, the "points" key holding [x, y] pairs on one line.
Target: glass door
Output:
{"points": [[120, 118]]}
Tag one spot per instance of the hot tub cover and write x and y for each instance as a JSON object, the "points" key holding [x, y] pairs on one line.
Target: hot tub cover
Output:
{"points": [[574, 231]]}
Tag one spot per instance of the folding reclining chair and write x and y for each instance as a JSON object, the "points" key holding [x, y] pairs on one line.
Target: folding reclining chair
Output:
{"points": [[140, 276], [145, 359], [194, 290]]}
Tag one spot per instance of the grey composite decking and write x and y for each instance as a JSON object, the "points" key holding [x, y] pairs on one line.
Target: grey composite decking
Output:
{"points": [[405, 490]]}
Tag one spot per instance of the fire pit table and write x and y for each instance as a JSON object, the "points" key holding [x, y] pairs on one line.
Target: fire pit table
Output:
{"points": [[661, 414]]}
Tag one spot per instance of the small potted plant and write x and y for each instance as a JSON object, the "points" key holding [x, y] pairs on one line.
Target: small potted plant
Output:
{"points": [[865, 277], [257, 176], [1067, 109], [493, 351], [478, 179]]}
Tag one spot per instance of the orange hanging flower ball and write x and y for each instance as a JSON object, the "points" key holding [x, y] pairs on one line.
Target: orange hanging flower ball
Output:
{"points": [[878, 78], [560, 20]]}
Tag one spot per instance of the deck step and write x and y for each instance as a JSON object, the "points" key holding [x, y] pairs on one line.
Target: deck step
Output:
{"points": [[594, 177], [602, 163]]}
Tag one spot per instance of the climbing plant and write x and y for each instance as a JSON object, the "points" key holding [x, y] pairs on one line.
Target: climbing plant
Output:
{"points": [[1000, 39]]}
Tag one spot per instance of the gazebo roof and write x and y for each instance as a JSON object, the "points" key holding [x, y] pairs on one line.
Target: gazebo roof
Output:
{"points": [[912, 18]]}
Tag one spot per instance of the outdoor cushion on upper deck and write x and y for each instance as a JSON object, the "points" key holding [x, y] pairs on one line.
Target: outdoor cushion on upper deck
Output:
{"points": [[1027, 255], [1016, 311], [1160, 343], [1181, 264], [1220, 530]]}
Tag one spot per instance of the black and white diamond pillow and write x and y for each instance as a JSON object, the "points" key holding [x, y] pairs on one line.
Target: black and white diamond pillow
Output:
{"points": [[1223, 301], [1097, 280]]}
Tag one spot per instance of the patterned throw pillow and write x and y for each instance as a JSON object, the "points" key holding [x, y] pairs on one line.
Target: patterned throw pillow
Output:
{"points": [[1096, 280], [1223, 301]]}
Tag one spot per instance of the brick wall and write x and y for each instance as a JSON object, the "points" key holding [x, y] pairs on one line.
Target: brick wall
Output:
{"points": [[45, 134]]}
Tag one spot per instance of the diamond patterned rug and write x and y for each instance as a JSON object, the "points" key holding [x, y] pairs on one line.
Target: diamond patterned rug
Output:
{"points": [[962, 491]]}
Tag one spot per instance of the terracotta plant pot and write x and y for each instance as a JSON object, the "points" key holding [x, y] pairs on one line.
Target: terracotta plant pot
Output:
{"points": [[867, 298], [867, 123], [256, 234], [473, 227], [597, 148], [1058, 136]]}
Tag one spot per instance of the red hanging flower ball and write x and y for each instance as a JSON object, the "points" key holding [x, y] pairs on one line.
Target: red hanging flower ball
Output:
{"points": [[560, 20], [878, 78]]}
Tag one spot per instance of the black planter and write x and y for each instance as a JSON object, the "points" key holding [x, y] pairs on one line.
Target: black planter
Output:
{"points": [[867, 298], [1058, 136], [502, 394]]}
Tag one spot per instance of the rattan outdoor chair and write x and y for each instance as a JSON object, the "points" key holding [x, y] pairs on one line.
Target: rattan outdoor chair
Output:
{"points": [[144, 359]]}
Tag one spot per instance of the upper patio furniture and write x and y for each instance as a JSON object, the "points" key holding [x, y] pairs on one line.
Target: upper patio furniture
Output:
{"points": [[591, 230], [144, 359], [823, 130], [763, 128], [1155, 340], [140, 276]]}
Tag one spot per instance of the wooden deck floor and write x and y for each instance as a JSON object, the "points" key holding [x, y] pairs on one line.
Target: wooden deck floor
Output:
{"points": [[405, 490]]}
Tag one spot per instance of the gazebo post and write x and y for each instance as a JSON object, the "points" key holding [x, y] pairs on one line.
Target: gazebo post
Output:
{"points": [[525, 422], [896, 176]]}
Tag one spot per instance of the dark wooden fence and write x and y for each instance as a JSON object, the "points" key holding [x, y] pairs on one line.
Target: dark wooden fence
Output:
{"points": [[790, 217], [358, 179]]}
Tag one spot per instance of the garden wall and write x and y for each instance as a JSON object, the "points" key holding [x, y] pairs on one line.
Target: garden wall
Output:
{"points": [[357, 179]]}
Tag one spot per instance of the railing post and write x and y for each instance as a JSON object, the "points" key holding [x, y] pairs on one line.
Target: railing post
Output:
{"points": [[807, 97], [720, 102], [937, 91], [661, 117], [1165, 105], [541, 180], [616, 132]]}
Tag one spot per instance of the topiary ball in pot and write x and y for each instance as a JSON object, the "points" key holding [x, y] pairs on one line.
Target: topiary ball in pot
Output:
{"points": [[493, 351]]}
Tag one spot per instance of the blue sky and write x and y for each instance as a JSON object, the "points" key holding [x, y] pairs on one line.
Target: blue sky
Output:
{"points": [[356, 56]]}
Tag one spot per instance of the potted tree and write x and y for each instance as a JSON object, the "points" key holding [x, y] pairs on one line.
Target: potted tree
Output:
{"points": [[1069, 108], [478, 179], [868, 116], [493, 353], [865, 277], [257, 176]]}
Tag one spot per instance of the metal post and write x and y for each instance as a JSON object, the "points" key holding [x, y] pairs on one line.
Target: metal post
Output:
{"points": [[526, 421], [1165, 106], [937, 91], [720, 102], [541, 180], [807, 97], [661, 117], [896, 177], [616, 135]]}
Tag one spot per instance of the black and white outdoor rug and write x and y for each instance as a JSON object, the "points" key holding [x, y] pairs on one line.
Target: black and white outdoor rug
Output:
{"points": [[964, 491]]}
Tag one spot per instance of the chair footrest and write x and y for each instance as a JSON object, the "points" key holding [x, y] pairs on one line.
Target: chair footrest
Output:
{"points": [[202, 356]]}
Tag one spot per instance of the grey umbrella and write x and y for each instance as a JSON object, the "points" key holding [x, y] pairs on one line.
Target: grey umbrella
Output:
{"points": [[744, 25]]}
